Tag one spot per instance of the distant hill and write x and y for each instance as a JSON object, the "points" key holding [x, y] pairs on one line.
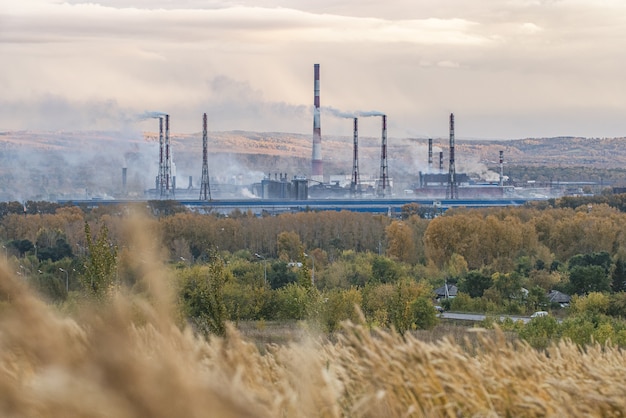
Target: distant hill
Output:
{"points": [[46, 165]]}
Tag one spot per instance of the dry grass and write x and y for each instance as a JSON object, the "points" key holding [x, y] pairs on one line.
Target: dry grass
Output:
{"points": [[130, 359]]}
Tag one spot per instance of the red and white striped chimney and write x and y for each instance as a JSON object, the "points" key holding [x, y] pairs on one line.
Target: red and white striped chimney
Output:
{"points": [[317, 169]]}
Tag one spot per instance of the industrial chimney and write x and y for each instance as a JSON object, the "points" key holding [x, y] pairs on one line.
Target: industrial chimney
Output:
{"points": [[452, 186], [356, 183], [317, 170], [168, 160], [430, 155], [384, 175], [501, 168], [441, 162], [161, 175], [205, 188]]}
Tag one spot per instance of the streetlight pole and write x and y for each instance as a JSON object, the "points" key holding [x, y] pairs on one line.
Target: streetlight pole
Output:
{"points": [[264, 267], [67, 282]]}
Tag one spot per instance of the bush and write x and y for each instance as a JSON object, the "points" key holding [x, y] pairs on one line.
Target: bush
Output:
{"points": [[246, 302], [593, 303], [292, 302], [376, 302], [423, 313], [339, 305], [401, 310], [540, 332], [201, 297]]}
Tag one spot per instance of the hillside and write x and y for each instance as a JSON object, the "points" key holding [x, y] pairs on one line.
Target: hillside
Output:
{"points": [[49, 165]]}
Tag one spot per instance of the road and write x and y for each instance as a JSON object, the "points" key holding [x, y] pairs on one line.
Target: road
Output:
{"points": [[479, 317]]}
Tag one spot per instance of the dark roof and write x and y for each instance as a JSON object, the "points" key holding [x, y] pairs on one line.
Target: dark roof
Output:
{"points": [[558, 297], [441, 291]]}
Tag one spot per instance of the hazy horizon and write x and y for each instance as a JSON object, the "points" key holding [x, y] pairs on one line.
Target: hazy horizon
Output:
{"points": [[507, 70]]}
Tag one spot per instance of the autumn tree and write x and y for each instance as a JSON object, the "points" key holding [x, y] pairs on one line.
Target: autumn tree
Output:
{"points": [[400, 244], [289, 246], [411, 306]]}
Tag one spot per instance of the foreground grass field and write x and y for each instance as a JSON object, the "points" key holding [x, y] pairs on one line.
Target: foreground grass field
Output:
{"points": [[130, 358]]}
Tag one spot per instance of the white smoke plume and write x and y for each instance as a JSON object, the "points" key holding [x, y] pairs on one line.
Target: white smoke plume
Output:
{"points": [[338, 113], [369, 113], [151, 115], [342, 114]]}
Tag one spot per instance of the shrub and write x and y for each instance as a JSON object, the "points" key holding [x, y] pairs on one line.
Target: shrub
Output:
{"points": [[540, 332], [339, 305], [292, 302]]}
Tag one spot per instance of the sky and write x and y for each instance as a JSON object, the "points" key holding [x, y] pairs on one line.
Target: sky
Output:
{"points": [[507, 69]]}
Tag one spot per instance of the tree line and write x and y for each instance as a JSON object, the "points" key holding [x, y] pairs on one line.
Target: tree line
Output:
{"points": [[321, 264]]}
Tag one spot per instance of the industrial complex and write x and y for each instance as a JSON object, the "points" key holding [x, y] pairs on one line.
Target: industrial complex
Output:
{"points": [[430, 185]]}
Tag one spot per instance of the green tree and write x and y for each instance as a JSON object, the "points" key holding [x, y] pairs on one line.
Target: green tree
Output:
{"points": [[281, 275], [424, 316], [540, 332], [340, 305], [508, 286], [602, 259], [385, 270], [201, 296], [536, 298], [404, 311], [584, 280], [475, 283], [292, 302], [618, 276], [100, 264], [617, 305]]}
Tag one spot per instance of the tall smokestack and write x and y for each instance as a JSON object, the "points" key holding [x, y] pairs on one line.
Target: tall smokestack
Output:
{"points": [[317, 169], [430, 155], [501, 168], [356, 182], [205, 188], [452, 187], [168, 161], [161, 175], [441, 161], [384, 175]]}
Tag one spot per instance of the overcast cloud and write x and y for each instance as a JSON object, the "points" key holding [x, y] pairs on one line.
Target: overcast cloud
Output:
{"points": [[506, 68]]}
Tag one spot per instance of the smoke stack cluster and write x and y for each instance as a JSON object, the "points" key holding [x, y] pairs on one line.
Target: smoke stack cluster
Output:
{"points": [[317, 170]]}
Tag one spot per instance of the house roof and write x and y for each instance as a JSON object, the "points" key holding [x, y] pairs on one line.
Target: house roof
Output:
{"points": [[441, 291], [558, 297]]}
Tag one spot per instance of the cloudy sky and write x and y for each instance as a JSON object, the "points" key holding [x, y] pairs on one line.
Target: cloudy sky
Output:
{"points": [[506, 68]]}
